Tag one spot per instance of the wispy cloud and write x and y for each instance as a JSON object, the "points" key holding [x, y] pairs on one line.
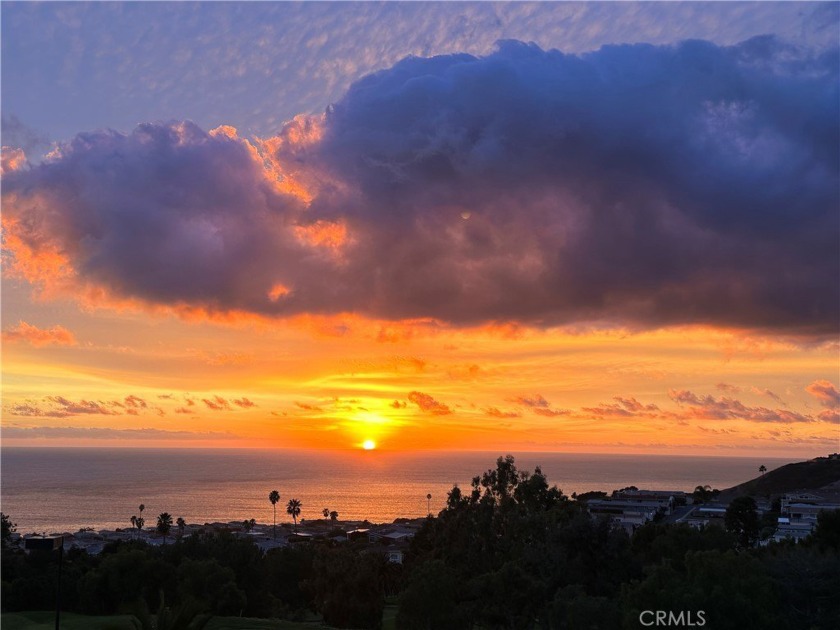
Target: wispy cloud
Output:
{"points": [[724, 408], [96, 433], [56, 335]]}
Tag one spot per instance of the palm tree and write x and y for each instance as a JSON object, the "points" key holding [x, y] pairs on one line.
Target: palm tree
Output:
{"points": [[429, 504], [293, 509], [274, 497], [762, 469], [133, 521], [164, 524], [181, 523]]}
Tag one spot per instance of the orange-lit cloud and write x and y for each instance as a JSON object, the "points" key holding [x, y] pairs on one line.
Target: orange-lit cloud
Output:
{"points": [[427, 404], [12, 159], [56, 335]]}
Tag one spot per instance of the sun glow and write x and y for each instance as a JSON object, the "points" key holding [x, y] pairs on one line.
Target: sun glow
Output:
{"points": [[368, 445]]}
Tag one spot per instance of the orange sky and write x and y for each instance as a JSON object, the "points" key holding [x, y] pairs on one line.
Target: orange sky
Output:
{"points": [[334, 382]]}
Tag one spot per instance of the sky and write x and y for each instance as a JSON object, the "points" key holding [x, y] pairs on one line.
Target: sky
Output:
{"points": [[584, 227]]}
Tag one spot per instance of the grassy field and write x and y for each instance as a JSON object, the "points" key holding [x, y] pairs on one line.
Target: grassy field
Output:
{"points": [[40, 620], [245, 623], [389, 617]]}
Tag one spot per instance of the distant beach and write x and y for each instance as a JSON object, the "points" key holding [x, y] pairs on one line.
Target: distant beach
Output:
{"points": [[65, 489]]}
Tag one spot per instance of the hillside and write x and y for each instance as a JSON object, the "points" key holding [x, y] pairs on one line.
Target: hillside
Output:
{"points": [[809, 476]]}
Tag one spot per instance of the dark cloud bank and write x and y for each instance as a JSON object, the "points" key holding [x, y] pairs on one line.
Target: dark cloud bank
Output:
{"points": [[636, 185]]}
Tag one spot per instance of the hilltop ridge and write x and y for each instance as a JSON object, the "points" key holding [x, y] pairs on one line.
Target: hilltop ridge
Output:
{"points": [[813, 475]]}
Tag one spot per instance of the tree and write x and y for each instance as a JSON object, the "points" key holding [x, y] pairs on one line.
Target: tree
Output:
{"points": [[8, 528], [347, 589], [139, 522], [326, 512], [333, 515], [762, 469], [429, 504], [274, 497], [741, 519], [293, 510], [181, 523], [827, 532], [164, 524]]}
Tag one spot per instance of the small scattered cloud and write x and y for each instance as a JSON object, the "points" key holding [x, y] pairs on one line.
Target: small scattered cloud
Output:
{"points": [[724, 408], [826, 392], [135, 402], [217, 403], [763, 391], [308, 407], [62, 407], [38, 337], [244, 403], [96, 433], [536, 400], [624, 407], [429, 405], [494, 412], [67, 407], [550, 413]]}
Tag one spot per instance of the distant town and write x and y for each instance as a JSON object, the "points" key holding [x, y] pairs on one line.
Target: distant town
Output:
{"points": [[790, 515]]}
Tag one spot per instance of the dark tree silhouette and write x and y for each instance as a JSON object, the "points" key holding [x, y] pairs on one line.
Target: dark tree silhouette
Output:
{"points": [[274, 497], [293, 510], [8, 528], [762, 469], [326, 512], [164, 524], [333, 515], [741, 519], [181, 523], [429, 504]]}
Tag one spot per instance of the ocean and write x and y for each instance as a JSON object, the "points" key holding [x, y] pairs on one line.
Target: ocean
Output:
{"points": [[53, 490]]}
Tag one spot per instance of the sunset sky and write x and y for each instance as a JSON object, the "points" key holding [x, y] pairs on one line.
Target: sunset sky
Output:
{"points": [[606, 227]]}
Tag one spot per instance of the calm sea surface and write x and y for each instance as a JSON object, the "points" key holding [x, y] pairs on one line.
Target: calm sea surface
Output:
{"points": [[57, 489]]}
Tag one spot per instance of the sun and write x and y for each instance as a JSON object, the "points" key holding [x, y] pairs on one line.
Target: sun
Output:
{"points": [[368, 445]]}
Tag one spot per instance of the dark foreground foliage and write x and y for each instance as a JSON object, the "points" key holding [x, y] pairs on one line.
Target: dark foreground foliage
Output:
{"points": [[511, 552]]}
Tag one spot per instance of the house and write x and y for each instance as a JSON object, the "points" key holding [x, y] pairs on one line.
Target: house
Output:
{"points": [[628, 514], [706, 514], [799, 512]]}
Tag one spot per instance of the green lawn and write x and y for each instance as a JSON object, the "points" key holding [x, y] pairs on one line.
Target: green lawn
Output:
{"points": [[389, 617], [245, 623], [41, 620]]}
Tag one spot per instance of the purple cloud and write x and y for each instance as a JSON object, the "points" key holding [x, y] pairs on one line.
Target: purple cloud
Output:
{"points": [[638, 185]]}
